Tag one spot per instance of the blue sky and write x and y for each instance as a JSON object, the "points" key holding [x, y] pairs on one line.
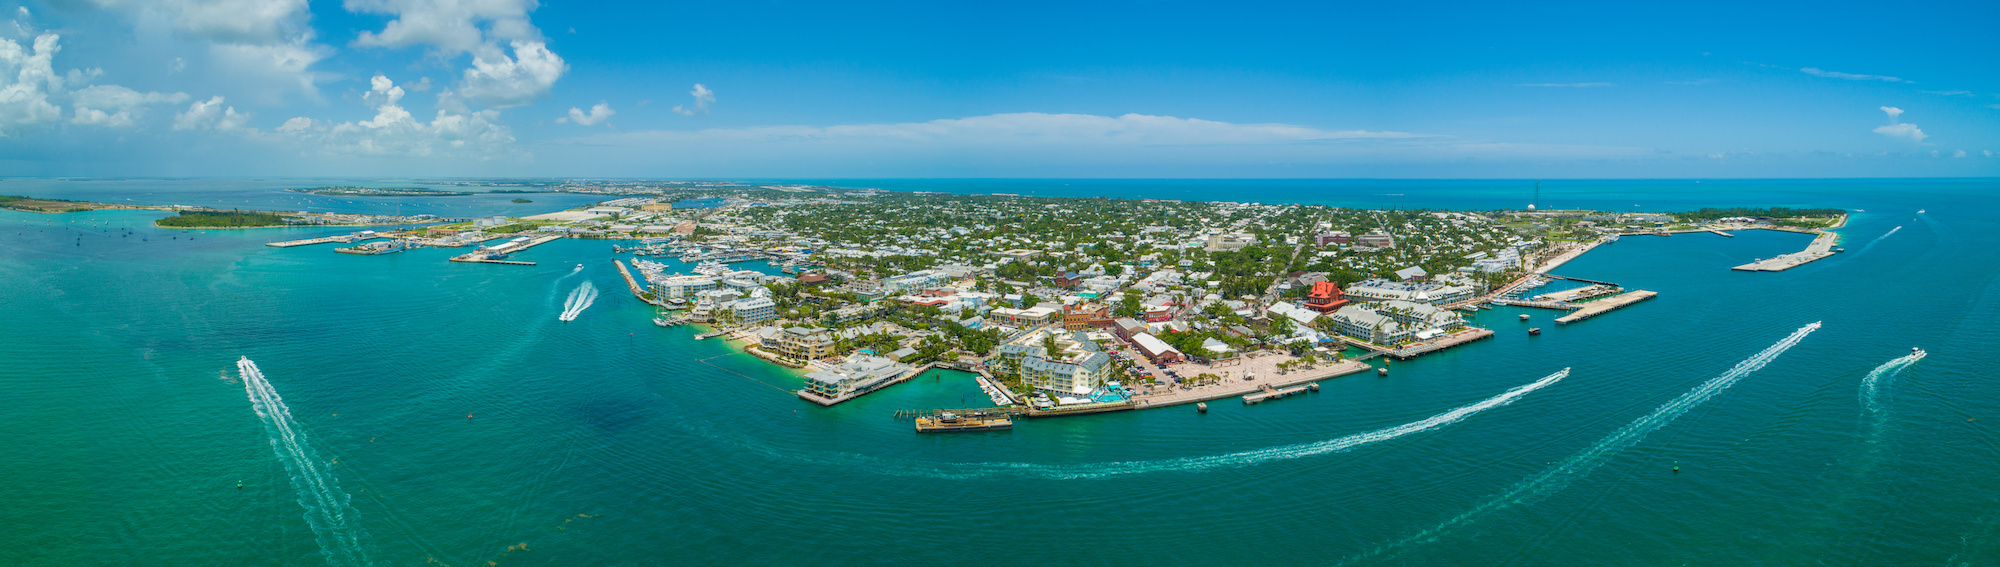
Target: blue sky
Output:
{"points": [[1145, 89]]}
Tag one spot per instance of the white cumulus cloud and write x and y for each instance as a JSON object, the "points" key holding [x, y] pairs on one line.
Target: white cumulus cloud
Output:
{"points": [[115, 106], [702, 98], [498, 80], [1898, 129], [394, 131], [267, 42], [478, 28], [598, 114], [27, 80], [1958, 154], [211, 115]]}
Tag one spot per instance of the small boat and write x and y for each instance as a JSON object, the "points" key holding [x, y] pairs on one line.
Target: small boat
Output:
{"points": [[1535, 332], [1916, 350], [1383, 371], [1201, 407], [1920, 211], [1524, 316]]}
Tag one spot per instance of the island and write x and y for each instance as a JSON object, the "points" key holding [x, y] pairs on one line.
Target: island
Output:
{"points": [[520, 200], [345, 191], [1074, 306]]}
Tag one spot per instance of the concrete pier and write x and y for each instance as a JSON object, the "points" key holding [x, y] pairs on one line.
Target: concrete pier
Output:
{"points": [[1821, 247], [1603, 306], [345, 238]]}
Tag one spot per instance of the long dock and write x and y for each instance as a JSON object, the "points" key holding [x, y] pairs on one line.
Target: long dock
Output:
{"points": [[1603, 306], [1821, 247], [345, 238], [637, 290]]}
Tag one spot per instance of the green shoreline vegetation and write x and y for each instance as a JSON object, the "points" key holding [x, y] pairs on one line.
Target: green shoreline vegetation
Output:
{"points": [[222, 219]]}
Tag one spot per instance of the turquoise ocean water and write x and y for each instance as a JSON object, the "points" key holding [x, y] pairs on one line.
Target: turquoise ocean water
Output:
{"points": [[608, 441]]}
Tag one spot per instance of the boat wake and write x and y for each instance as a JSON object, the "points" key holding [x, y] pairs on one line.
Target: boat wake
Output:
{"points": [[1241, 459], [578, 301], [327, 510], [1872, 384], [1581, 464], [1871, 243]]}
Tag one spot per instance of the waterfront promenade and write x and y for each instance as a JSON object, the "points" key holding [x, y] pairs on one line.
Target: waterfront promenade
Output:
{"points": [[1264, 370]]}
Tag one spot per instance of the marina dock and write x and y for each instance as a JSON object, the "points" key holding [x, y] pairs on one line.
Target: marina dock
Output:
{"points": [[1603, 306], [1270, 393]]}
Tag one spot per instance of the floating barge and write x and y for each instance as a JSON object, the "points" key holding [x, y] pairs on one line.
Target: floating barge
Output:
{"points": [[948, 421]]}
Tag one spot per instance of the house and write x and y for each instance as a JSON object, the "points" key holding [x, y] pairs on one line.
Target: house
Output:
{"points": [[1376, 239], [1335, 237], [1326, 297], [815, 278], [1067, 280]]}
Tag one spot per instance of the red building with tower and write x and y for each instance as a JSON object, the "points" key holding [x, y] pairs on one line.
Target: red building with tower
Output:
{"points": [[1326, 297]]}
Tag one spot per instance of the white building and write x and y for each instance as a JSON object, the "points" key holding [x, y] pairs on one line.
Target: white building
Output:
{"points": [[754, 309]]}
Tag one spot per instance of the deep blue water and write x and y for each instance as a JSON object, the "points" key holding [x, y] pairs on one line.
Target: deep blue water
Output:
{"points": [[608, 441]]}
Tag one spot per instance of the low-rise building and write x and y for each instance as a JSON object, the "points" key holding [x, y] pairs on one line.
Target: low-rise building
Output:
{"points": [[1376, 239], [1081, 316], [1393, 322], [1077, 366], [859, 374], [804, 343], [681, 286], [1326, 297], [754, 310], [1418, 292], [1155, 349]]}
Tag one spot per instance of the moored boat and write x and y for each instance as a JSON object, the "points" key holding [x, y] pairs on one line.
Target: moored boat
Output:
{"points": [[949, 422]]}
